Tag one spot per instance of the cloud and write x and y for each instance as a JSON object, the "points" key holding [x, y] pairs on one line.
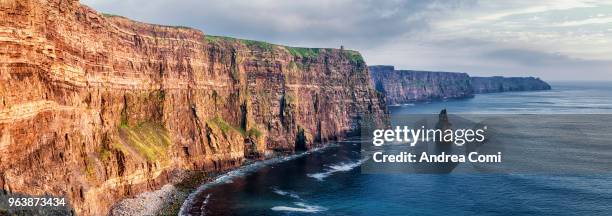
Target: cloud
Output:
{"points": [[551, 65], [360, 23], [530, 57], [524, 37]]}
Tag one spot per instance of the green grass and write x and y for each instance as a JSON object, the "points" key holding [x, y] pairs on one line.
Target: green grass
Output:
{"points": [[260, 44], [178, 26], [227, 128], [301, 52], [119, 146], [292, 65], [354, 57], [149, 140], [124, 119], [90, 168], [111, 15], [215, 39], [250, 43], [255, 132], [105, 154], [222, 124], [304, 52]]}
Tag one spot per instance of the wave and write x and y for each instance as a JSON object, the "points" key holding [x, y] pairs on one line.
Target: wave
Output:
{"points": [[339, 167], [303, 207], [285, 193], [402, 105], [204, 203], [240, 172]]}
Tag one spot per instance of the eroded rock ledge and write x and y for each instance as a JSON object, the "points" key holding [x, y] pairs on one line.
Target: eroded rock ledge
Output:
{"points": [[97, 108]]}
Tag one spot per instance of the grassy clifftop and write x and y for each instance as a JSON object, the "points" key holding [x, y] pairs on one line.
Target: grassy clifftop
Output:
{"points": [[299, 52]]}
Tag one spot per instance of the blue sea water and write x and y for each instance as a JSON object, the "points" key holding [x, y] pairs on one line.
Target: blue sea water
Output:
{"points": [[564, 98], [329, 182]]}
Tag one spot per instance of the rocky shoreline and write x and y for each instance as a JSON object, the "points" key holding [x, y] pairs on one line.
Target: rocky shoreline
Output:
{"points": [[147, 203], [166, 200], [169, 199]]}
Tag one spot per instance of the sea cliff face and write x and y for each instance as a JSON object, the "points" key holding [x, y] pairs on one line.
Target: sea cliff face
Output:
{"points": [[96, 108], [504, 84], [405, 86]]}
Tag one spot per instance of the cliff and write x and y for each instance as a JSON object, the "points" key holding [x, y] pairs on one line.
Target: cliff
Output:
{"points": [[504, 84], [96, 108], [405, 86]]}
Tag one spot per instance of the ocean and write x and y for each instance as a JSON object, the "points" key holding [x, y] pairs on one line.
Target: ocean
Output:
{"points": [[329, 181]]}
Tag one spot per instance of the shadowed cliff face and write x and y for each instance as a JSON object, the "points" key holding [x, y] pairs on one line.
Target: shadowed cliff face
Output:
{"points": [[504, 84], [98, 108], [404, 86]]}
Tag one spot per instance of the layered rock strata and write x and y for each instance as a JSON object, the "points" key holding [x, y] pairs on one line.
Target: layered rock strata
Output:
{"points": [[505, 84], [96, 108], [406, 86]]}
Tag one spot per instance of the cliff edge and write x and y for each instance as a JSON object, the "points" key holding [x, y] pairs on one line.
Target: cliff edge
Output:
{"points": [[406, 86], [505, 84], [96, 108]]}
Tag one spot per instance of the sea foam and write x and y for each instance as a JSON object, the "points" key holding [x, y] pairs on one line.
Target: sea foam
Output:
{"points": [[240, 172], [285, 193], [334, 168], [302, 207]]}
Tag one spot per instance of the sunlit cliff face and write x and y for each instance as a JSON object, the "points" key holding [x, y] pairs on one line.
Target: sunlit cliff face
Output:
{"points": [[97, 108]]}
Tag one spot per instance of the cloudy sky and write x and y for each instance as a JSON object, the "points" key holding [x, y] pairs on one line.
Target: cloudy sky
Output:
{"points": [[554, 40]]}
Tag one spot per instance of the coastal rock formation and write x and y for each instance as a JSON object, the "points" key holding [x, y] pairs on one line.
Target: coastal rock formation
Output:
{"points": [[405, 86], [96, 107], [504, 84]]}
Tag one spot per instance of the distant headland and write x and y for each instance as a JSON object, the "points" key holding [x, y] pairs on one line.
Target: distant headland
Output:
{"points": [[406, 86]]}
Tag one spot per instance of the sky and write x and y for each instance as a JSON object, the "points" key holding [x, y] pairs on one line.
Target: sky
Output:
{"points": [[551, 39]]}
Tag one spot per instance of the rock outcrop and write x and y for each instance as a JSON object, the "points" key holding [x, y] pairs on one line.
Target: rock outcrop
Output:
{"points": [[406, 86], [96, 108], [505, 84]]}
